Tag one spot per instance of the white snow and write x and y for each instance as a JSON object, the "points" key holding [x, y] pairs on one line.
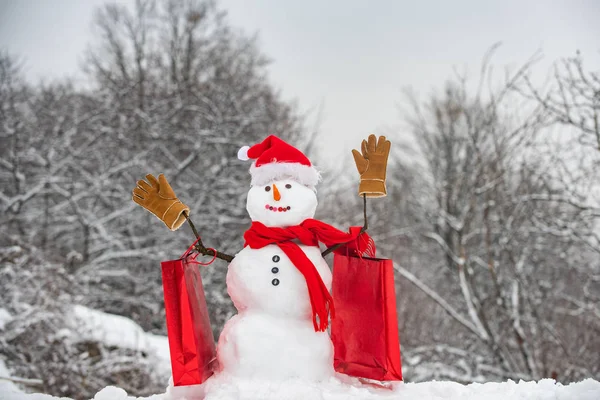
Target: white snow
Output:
{"points": [[227, 388], [250, 282], [7, 388], [118, 331], [343, 388], [259, 345]]}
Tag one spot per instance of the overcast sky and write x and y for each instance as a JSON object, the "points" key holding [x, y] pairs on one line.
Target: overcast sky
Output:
{"points": [[354, 57]]}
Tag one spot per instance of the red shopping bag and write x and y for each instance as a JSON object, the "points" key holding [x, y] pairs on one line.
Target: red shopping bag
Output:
{"points": [[191, 342], [365, 329]]}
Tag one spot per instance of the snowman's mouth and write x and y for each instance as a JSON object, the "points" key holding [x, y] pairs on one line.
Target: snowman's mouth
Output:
{"points": [[277, 209]]}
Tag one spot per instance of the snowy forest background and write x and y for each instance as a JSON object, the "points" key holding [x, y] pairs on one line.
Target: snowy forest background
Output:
{"points": [[492, 216]]}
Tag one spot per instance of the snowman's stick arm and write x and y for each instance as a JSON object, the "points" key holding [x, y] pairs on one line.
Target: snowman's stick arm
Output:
{"points": [[364, 229], [200, 246]]}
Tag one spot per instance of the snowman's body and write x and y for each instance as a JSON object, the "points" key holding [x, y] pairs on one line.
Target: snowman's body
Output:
{"points": [[273, 336]]}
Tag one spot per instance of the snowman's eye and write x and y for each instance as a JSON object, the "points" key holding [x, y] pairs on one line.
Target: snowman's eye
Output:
{"points": [[267, 188], [288, 186]]}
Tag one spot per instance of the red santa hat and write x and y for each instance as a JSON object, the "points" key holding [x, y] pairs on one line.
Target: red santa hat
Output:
{"points": [[276, 159]]}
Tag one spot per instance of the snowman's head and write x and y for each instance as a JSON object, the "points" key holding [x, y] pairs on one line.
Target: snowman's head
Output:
{"points": [[283, 183], [282, 202]]}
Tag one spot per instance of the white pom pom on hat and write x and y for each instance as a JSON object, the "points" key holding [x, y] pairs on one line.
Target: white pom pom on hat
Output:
{"points": [[243, 153]]}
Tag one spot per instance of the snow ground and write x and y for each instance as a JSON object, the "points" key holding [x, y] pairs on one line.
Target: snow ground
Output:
{"points": [[343, 388], [120, 331], [222, 388]]}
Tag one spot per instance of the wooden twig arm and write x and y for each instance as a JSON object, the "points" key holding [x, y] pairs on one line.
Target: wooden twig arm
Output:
{"points": [[200, 246], [210, 252]]}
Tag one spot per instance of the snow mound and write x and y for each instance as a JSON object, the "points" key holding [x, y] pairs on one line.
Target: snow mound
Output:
{"points": [[344, 388], [122, 332], [224, 388]]}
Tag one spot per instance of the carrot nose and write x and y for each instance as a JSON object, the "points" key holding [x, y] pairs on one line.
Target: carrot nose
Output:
{"points": [[276, 194]]}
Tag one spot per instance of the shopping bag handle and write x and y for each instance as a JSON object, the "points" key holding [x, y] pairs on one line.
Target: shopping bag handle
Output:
{"points": [[194, 261]]}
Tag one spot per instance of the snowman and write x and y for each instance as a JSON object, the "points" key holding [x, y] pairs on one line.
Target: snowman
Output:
{"points": [[273, 335], [279, 282]]}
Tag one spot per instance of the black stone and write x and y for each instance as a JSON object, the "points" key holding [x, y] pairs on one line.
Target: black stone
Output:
{"points": [[276, 258], [274, 270], [275, 282]]}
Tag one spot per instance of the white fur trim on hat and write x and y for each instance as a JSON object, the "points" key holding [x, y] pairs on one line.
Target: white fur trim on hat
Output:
{"points": [[267, 173], [243, 153]]}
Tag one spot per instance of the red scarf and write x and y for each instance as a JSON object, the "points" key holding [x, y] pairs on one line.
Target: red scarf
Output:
{"points": [[310, 233]]}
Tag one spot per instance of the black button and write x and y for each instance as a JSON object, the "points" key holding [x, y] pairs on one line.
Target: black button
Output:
{"points": [[275, 282], [276, 258], [274, 270]]}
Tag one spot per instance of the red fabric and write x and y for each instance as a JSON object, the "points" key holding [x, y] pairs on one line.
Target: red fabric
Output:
{"points": [[273, 149], [191, 343], [365, 330], [310, 233]]}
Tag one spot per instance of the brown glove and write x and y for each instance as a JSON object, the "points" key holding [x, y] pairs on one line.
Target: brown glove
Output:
{"points": [[159, 198], [371, 165]]}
